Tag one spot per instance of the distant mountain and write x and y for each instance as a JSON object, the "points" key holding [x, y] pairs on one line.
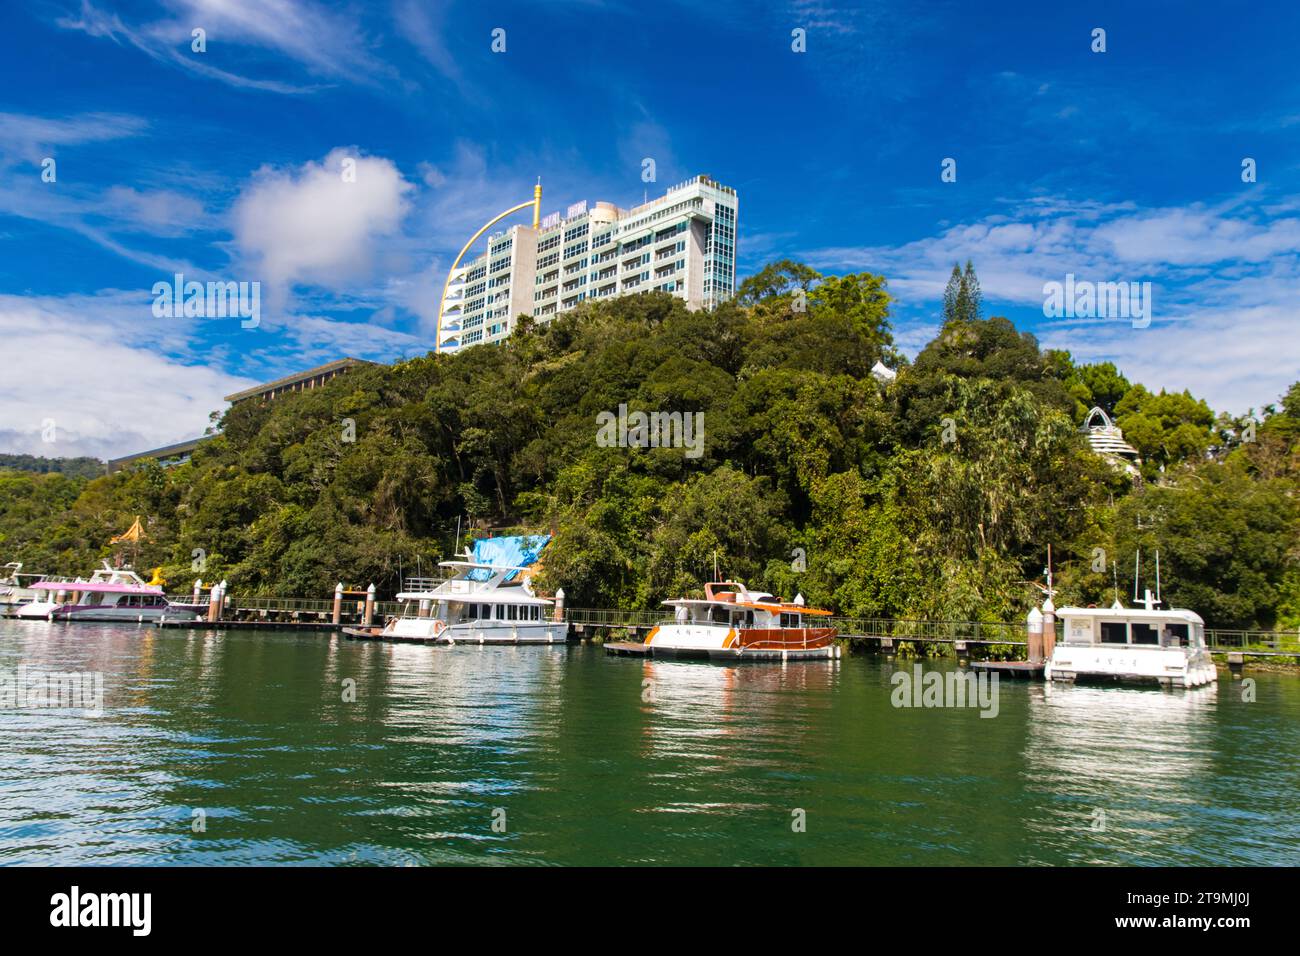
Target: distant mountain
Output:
{"points": [[73, 467]]}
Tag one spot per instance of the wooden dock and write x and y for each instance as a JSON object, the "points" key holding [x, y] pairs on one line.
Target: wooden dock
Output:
{"points": [[1020, 670], [627, 649], [314, 626]]}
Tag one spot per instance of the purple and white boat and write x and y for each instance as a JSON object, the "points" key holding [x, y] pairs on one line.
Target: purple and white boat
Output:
{"points": [[111, 594]]}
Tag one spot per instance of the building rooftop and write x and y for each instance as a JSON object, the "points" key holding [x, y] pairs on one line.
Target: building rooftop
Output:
{"points": [[181, 450], [280, 384]]}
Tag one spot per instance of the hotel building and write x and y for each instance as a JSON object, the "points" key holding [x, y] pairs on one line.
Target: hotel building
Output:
{"points": [[683, 243]]}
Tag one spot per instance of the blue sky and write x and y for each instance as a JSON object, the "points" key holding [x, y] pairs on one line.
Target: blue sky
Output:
{"points": [[1115, 166]]}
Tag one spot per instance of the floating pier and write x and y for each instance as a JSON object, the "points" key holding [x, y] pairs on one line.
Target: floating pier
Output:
{"points": [[1022, 670]]}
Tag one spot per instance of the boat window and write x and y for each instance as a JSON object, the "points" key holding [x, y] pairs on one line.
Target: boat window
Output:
{"points": [[1145, 633], [471, 612], [501, 612], [1175, 635], [513, 613], [1114, 632], [719, 615]]}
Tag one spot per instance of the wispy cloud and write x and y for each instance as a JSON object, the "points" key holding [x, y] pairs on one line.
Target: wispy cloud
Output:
{"points": [[322, 42], [1226, 282]]}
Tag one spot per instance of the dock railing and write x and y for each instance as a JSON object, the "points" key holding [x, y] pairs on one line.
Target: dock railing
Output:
{"points": [[943, 632], [614, 617]]}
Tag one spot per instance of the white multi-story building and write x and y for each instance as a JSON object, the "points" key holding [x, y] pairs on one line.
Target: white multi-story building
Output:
{"points": [[683, 243]]}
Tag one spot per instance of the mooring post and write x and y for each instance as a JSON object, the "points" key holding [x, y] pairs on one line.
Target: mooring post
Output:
{"points": [[370, 606], [214, 596], [198, 589], [338, 603], [221, 601], [1049, 628], [1034, 635], [1236, 663], [559, 605]]}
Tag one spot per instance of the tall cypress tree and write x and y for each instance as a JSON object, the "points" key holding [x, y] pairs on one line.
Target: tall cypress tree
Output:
{"points": [[974, 300], [952, 295], [962, 301]]}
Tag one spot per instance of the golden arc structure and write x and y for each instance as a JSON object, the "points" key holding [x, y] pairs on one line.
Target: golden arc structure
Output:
{"points": [[535, 202]]}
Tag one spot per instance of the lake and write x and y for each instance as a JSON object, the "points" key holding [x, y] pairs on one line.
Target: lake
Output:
{"points": [[296, 748]]}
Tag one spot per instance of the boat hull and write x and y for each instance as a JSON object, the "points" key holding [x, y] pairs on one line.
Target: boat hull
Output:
{"points": [[431, 631], [705, 642], [37, 610], [1166, 667], [101, 614]]}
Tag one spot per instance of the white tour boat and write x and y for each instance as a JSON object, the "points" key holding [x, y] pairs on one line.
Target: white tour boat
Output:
{"points": [[1132, 644], [732, 622], [487, 600], [111, 594], [16, 587]]}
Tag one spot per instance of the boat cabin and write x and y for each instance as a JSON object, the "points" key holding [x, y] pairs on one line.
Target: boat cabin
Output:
{"points": [[1118, 626]]}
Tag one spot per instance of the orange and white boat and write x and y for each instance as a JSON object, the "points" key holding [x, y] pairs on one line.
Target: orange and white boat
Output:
{"points": [[732, 622]]}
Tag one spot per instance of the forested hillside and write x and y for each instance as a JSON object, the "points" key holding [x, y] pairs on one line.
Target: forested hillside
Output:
{"points": [[934, 496], [77, 467]]}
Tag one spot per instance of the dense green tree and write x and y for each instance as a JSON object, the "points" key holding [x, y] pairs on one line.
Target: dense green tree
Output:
{"points": [[933, 497]]}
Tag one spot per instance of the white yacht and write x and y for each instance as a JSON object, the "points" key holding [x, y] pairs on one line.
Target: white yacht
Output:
{"points": [[16, 587], [1132, 644], [487, 600]]}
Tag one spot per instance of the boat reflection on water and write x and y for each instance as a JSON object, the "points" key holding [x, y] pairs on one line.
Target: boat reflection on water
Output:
{"points": [[704, 727], [1123, 765], [471, 695]]}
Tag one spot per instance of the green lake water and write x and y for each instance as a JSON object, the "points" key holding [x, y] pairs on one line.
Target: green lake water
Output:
{"points": [[582, 758]]}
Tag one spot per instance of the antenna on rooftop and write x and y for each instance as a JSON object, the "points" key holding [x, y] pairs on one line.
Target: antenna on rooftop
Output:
{"points": [[1157, 576], [1137, 558]]}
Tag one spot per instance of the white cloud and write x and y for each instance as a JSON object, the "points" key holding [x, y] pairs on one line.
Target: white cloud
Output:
{"points": [[311, 226], [95, 369], [33, 138], [322, 41], [1226, 284]]}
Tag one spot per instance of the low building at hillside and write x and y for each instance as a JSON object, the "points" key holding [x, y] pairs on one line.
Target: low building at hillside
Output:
{"points": [[297, 382]]}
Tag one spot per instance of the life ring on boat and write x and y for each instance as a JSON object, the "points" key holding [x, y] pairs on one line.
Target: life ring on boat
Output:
{"points": [[439, 627]]}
